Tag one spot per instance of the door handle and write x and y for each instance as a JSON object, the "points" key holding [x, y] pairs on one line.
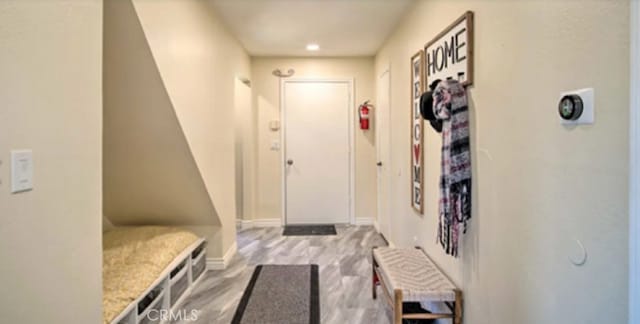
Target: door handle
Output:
{"points": [[379, 163], [290, 162]]}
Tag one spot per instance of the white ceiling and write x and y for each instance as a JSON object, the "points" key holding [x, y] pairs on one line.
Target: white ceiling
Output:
{"points": [[285, 27]]}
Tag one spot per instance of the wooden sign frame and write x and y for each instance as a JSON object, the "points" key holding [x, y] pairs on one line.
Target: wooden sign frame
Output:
{"points": [[416, 131], [467, 18]]}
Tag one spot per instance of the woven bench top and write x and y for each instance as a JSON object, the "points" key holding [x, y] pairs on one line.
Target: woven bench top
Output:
{"points": [[411, 271]]}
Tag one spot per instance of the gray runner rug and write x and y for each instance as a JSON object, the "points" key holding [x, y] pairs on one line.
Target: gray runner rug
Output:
{"points": [[280, 294], [292, 230]]}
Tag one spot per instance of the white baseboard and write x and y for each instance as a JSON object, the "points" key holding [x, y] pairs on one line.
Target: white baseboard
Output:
{"points": [[276, 222], [263, 222], [377, 227], [361, 221], [267, 222], [241, 223], [222, 263]]}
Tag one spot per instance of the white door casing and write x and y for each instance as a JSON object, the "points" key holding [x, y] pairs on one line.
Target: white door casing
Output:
{"points": [[634, 168], [317, 137], [382, 115]]}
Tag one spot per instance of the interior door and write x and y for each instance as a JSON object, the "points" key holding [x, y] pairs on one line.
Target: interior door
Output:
{"points": [[382, 119], [316, 152]]}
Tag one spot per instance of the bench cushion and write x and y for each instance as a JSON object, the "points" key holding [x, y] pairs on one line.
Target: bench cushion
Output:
{"points": [[411, 271], [133, 258]]}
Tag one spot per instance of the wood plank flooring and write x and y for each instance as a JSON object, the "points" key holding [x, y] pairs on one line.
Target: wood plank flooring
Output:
{"points": [[345, 274]]}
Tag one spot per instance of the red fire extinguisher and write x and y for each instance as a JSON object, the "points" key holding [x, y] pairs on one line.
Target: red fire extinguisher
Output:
{"points": [[364, 112]]}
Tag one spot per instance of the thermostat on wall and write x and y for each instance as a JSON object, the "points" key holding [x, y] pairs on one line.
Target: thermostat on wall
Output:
{"points": [[576, 107]]}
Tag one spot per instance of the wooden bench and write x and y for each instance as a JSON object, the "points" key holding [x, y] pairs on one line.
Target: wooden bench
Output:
{"points": [[409, 275]]}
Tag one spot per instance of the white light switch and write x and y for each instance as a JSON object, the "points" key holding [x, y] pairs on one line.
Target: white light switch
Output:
{"points": [[21, 170]]}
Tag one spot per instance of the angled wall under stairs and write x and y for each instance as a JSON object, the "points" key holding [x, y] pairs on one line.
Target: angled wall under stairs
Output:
{"points": [[169, 69]]}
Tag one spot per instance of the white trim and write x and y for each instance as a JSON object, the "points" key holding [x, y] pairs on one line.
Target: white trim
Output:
{"points": [[391, 244], [222, 263], [377, 227], [352, 149], [189, 290], [243, 224], [365, 221], [634, 168], [264, 222], [283, 149]]}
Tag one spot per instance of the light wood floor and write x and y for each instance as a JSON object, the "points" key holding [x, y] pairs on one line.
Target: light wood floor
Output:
{"points": [[345, 274]]}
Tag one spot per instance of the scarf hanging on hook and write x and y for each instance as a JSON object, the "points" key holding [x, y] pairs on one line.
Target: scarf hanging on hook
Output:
{"points": [[450, 105]]}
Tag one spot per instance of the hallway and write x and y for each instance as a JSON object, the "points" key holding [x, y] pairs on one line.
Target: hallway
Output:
{"points": [[152, 151], [345, 274]]}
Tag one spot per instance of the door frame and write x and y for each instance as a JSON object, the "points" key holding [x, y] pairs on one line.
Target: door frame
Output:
{"points": [[634, 167], [385, 70], [351, 129]]}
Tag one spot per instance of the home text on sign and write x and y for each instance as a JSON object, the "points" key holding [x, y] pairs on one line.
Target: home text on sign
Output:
{"points": [[449, 51], [450, 54]]}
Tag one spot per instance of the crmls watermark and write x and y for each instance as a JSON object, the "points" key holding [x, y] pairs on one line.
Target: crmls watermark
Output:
{"points": [[167, 315]]}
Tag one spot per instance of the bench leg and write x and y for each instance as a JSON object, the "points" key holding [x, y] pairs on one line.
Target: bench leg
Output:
{"points": [[374, 278], [457, 313], [397, 308]]}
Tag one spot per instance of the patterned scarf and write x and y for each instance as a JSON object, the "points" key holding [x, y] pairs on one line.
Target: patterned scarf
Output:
{"points": [[450, 106]]}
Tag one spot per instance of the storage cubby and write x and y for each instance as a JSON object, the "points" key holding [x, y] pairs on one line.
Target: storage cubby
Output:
{"points": [[156, 304]]}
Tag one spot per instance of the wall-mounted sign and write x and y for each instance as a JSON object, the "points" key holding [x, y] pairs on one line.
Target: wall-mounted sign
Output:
{"points": [[450, 54], [417, 86]]}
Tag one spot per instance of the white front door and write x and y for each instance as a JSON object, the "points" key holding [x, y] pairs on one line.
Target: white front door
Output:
{"points": [[382, 116], [316, 151]]}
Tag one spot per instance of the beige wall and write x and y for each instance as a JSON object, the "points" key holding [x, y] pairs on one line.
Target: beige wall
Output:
{"points": [[150, 175], [50, 90], [198, 60], [538, 186], [267, 107]]}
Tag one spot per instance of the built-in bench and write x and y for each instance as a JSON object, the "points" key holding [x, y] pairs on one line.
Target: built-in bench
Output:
{"points": [[409, 275]]}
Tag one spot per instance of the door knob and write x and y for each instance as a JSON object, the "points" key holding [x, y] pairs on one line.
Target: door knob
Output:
{"points": [[290, 162], [379, 163]]}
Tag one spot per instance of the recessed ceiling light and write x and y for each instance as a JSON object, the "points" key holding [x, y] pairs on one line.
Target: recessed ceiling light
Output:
{"points": [[313, 47]]}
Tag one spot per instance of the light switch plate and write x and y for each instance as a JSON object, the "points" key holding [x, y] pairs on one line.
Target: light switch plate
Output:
{"points": [[21, 170]]}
